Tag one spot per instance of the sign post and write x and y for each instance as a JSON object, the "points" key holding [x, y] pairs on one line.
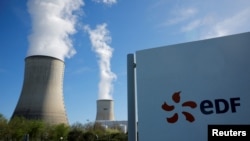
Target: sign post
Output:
{"points": [[132, 123], [186, 90]]}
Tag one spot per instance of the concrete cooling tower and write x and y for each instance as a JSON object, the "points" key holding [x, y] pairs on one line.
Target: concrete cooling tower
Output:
{"points": [[42, 92], [105, 110]]}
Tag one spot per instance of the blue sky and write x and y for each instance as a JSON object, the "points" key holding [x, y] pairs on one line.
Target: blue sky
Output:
{"points": [[123, 27]]}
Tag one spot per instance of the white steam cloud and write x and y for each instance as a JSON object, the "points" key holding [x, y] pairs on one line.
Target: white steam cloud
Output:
{"points": [[100, 39], [53, 21]]}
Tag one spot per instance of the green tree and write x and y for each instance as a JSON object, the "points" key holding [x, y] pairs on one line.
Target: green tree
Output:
{"points": [[76, 132], [59, 131], [18, 128], [119, 137], [75, 135], [77, 126], [3, 127], [90, 136], [36, 129]]}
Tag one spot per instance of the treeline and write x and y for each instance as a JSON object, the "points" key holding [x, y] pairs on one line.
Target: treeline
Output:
{"points": [[21, 129]]}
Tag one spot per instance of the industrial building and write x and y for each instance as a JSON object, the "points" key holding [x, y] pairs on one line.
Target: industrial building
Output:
{"points": [[105, 110], [42, 92]]}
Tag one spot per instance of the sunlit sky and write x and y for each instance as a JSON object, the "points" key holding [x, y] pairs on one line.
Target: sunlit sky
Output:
{"points": [[122, 27]]}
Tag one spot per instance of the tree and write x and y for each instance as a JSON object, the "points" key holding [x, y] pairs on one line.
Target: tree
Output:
{"points": [[76, 132], [76, 135], [119, 137], [3, 127], [18, 128], [59, 131], [36, 129], [90, 136], [77, 126]]}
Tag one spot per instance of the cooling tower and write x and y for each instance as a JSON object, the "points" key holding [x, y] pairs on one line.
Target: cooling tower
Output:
{"points": [[42, 92], [105, 110]]}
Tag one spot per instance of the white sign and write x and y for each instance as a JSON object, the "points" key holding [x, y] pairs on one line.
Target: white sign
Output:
{"points": [[183, 88]]}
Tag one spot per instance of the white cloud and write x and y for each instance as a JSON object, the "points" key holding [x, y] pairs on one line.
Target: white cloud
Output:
{"points": [[108, 2], [197, 23], [192, 25], [181, 15], [201, 20], [233, 24]]}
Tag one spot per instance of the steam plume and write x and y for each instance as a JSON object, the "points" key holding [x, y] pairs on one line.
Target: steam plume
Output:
{"points": [[53, 22], [100, 39]]}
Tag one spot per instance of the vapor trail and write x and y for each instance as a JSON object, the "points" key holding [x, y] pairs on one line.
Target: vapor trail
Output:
{"points": [[53, 21], [100, 39]]}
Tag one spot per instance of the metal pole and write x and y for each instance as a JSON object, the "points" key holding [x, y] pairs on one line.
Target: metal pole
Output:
{"points": [[132, 124]]}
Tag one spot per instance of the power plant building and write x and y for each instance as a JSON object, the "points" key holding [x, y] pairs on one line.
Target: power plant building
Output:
{"points": [[105, 110], [106, 117], [42, 92]]}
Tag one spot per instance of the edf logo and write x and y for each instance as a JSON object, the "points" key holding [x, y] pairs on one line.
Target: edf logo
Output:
{"points": [[217, 106]]}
